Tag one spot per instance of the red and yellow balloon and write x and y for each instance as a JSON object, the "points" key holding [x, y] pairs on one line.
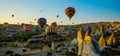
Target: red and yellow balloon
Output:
{"points": [[26, 27], [54, 24]]}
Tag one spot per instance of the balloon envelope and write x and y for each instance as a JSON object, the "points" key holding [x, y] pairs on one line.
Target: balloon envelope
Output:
{"points": [[57, 16], [12, 15], [34, 19], [42, 22], [50, 30], [54, 24], [70, 11], [26, 27], [6, 24], [73, 23]]}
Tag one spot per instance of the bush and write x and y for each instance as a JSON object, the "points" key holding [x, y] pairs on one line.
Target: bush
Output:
{"points": [[10, 39], [17, 54], [24, 36], [49, 53], [9, 52], [24, 50], [49, 45]]}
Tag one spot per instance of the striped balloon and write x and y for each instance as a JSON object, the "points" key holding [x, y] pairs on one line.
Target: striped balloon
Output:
{"points": [[70, 11]]}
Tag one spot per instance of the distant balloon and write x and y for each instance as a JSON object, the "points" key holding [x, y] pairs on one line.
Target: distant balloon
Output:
{"points": [[50, 30], [6, 24], [34, 19], [26, 27], [12, 15], [41, 11], [42, 22], [57, 16], [30, 22], [73, 23], [70, 11], [54, 24], [18, 22]]}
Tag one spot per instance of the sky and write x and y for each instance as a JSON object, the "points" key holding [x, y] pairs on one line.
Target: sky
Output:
{"points": [[87, 11]]}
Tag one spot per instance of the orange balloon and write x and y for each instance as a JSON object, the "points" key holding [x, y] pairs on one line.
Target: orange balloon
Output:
{"points": [[70, 11]]}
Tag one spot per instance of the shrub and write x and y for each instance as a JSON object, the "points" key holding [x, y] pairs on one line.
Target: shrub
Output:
{"points": [[24, 50], [9, 52], [17, 55]]}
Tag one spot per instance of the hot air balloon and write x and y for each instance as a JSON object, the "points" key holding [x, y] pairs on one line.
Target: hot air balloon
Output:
{"points": [[73, 23], [54, 24], [34, 19], [26, 27], [51, 30], [18, 22], [12, 15], [70, 11], [30, 22], [57, 16], [42, 22], [41, 11], [6, 24]]}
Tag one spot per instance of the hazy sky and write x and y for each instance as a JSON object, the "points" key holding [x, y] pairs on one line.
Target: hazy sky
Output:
{"points": [[86, 11]]}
